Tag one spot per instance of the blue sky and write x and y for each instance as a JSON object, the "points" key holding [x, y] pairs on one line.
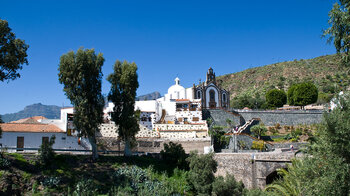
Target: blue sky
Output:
{"points": [[165, 38]]}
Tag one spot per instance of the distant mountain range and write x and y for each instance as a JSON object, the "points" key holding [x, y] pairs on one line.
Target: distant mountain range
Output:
{"points": [[54, 112], [150, 96], [38, 109]]}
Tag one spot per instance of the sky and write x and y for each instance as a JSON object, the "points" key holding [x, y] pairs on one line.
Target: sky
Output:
{"points": [[166, 39]]}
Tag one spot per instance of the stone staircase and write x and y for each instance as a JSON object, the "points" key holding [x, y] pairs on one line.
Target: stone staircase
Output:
{"points": [[246, 127]]}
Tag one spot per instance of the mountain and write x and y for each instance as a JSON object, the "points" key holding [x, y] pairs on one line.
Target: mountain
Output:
{"points": [[324, 71], [38, 109], [150, 96]]}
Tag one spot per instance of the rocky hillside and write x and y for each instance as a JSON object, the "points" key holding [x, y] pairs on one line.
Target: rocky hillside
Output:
{"points": [[38, 109], [324, 71]]}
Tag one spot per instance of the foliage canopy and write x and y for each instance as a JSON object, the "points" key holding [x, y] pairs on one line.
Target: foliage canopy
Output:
{"points": [[124, 83], [81, 75], [201, 175], [276, 98], [13, 53], [302, 94]]}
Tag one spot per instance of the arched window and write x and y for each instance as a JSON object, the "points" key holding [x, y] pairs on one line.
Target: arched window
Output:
{"points": [[223, 97], [212, 95], [198, 94]]}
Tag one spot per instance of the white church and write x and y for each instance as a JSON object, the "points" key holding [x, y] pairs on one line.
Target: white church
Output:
{"points": [[179, 112], [177, 115]]}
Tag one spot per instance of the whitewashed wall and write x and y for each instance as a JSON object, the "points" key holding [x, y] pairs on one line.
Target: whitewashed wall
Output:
{"points": [[179, 127], [34, 140]]}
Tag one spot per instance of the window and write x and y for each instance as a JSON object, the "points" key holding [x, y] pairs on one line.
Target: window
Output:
{"points": [[212, 95], [224, 97], [185, 120], [198, 94]]}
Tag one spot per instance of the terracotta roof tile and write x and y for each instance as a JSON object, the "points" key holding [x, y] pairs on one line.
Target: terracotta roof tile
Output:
{"points": [[35, 128], [182, 100], [29, 120]]}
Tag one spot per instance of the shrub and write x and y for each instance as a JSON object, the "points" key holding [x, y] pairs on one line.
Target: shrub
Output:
{"points": [[201, 174], [4, 162], [138, 181], [277, 126], [258, 145], [46, 153], [174, 154], [276, 98], [85, 187], [51, 181], [227, 186], [273, 131]]}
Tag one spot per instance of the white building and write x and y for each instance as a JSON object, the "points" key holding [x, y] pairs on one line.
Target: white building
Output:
{"points": [[32, 132], [179, 112]]}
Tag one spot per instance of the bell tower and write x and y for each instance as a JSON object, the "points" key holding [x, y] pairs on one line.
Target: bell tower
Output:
{"points": [[210, 77]]}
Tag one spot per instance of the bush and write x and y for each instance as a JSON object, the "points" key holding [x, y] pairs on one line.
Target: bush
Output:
{"points": [[201, 174], [227, 186], [51, 181], [138, 181], [258, 145], [276, 98], [174, 154], [46, 153], [4, 163], [85, 187]]}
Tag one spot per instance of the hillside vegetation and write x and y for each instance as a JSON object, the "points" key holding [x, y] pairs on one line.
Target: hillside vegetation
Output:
{"points": [[324, 71]]}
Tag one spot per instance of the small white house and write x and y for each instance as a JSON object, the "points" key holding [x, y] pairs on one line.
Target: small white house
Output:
{"points": [[32, 135]]}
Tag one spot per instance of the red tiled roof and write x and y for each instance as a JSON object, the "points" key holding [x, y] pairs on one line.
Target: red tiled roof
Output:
{"points": [[35, 128], [32, 119], [182, 100]]}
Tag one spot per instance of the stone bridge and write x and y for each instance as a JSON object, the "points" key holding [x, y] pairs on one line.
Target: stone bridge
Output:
{"points": [[255, 170]]}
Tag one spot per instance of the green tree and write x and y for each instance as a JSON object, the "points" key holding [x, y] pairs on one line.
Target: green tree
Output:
{"points": [[326, 171], [339, 30], [13, 53], [227, 186], [124, 84], [81, 75], [258, 130], [305, 93], [276, 98], [174, 154], [201, 174], [290, 94], [46, 153]]}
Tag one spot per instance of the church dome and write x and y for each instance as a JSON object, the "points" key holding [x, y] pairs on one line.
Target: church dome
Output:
{"points": [[175, 90]]}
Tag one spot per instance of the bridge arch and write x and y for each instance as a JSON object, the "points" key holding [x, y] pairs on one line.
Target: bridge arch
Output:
{"points": [[273, 176]]}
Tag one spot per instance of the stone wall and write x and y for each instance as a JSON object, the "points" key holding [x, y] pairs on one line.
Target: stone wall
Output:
{"points": [[251, 168], [153, 145], [166, 131], [270, 118]]}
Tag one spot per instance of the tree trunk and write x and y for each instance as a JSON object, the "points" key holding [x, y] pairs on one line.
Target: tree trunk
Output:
{"points": [[127, 150], [92, 141]]}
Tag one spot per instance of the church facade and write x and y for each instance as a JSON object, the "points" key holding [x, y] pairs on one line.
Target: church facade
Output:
{"points": [[211, 93]]}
